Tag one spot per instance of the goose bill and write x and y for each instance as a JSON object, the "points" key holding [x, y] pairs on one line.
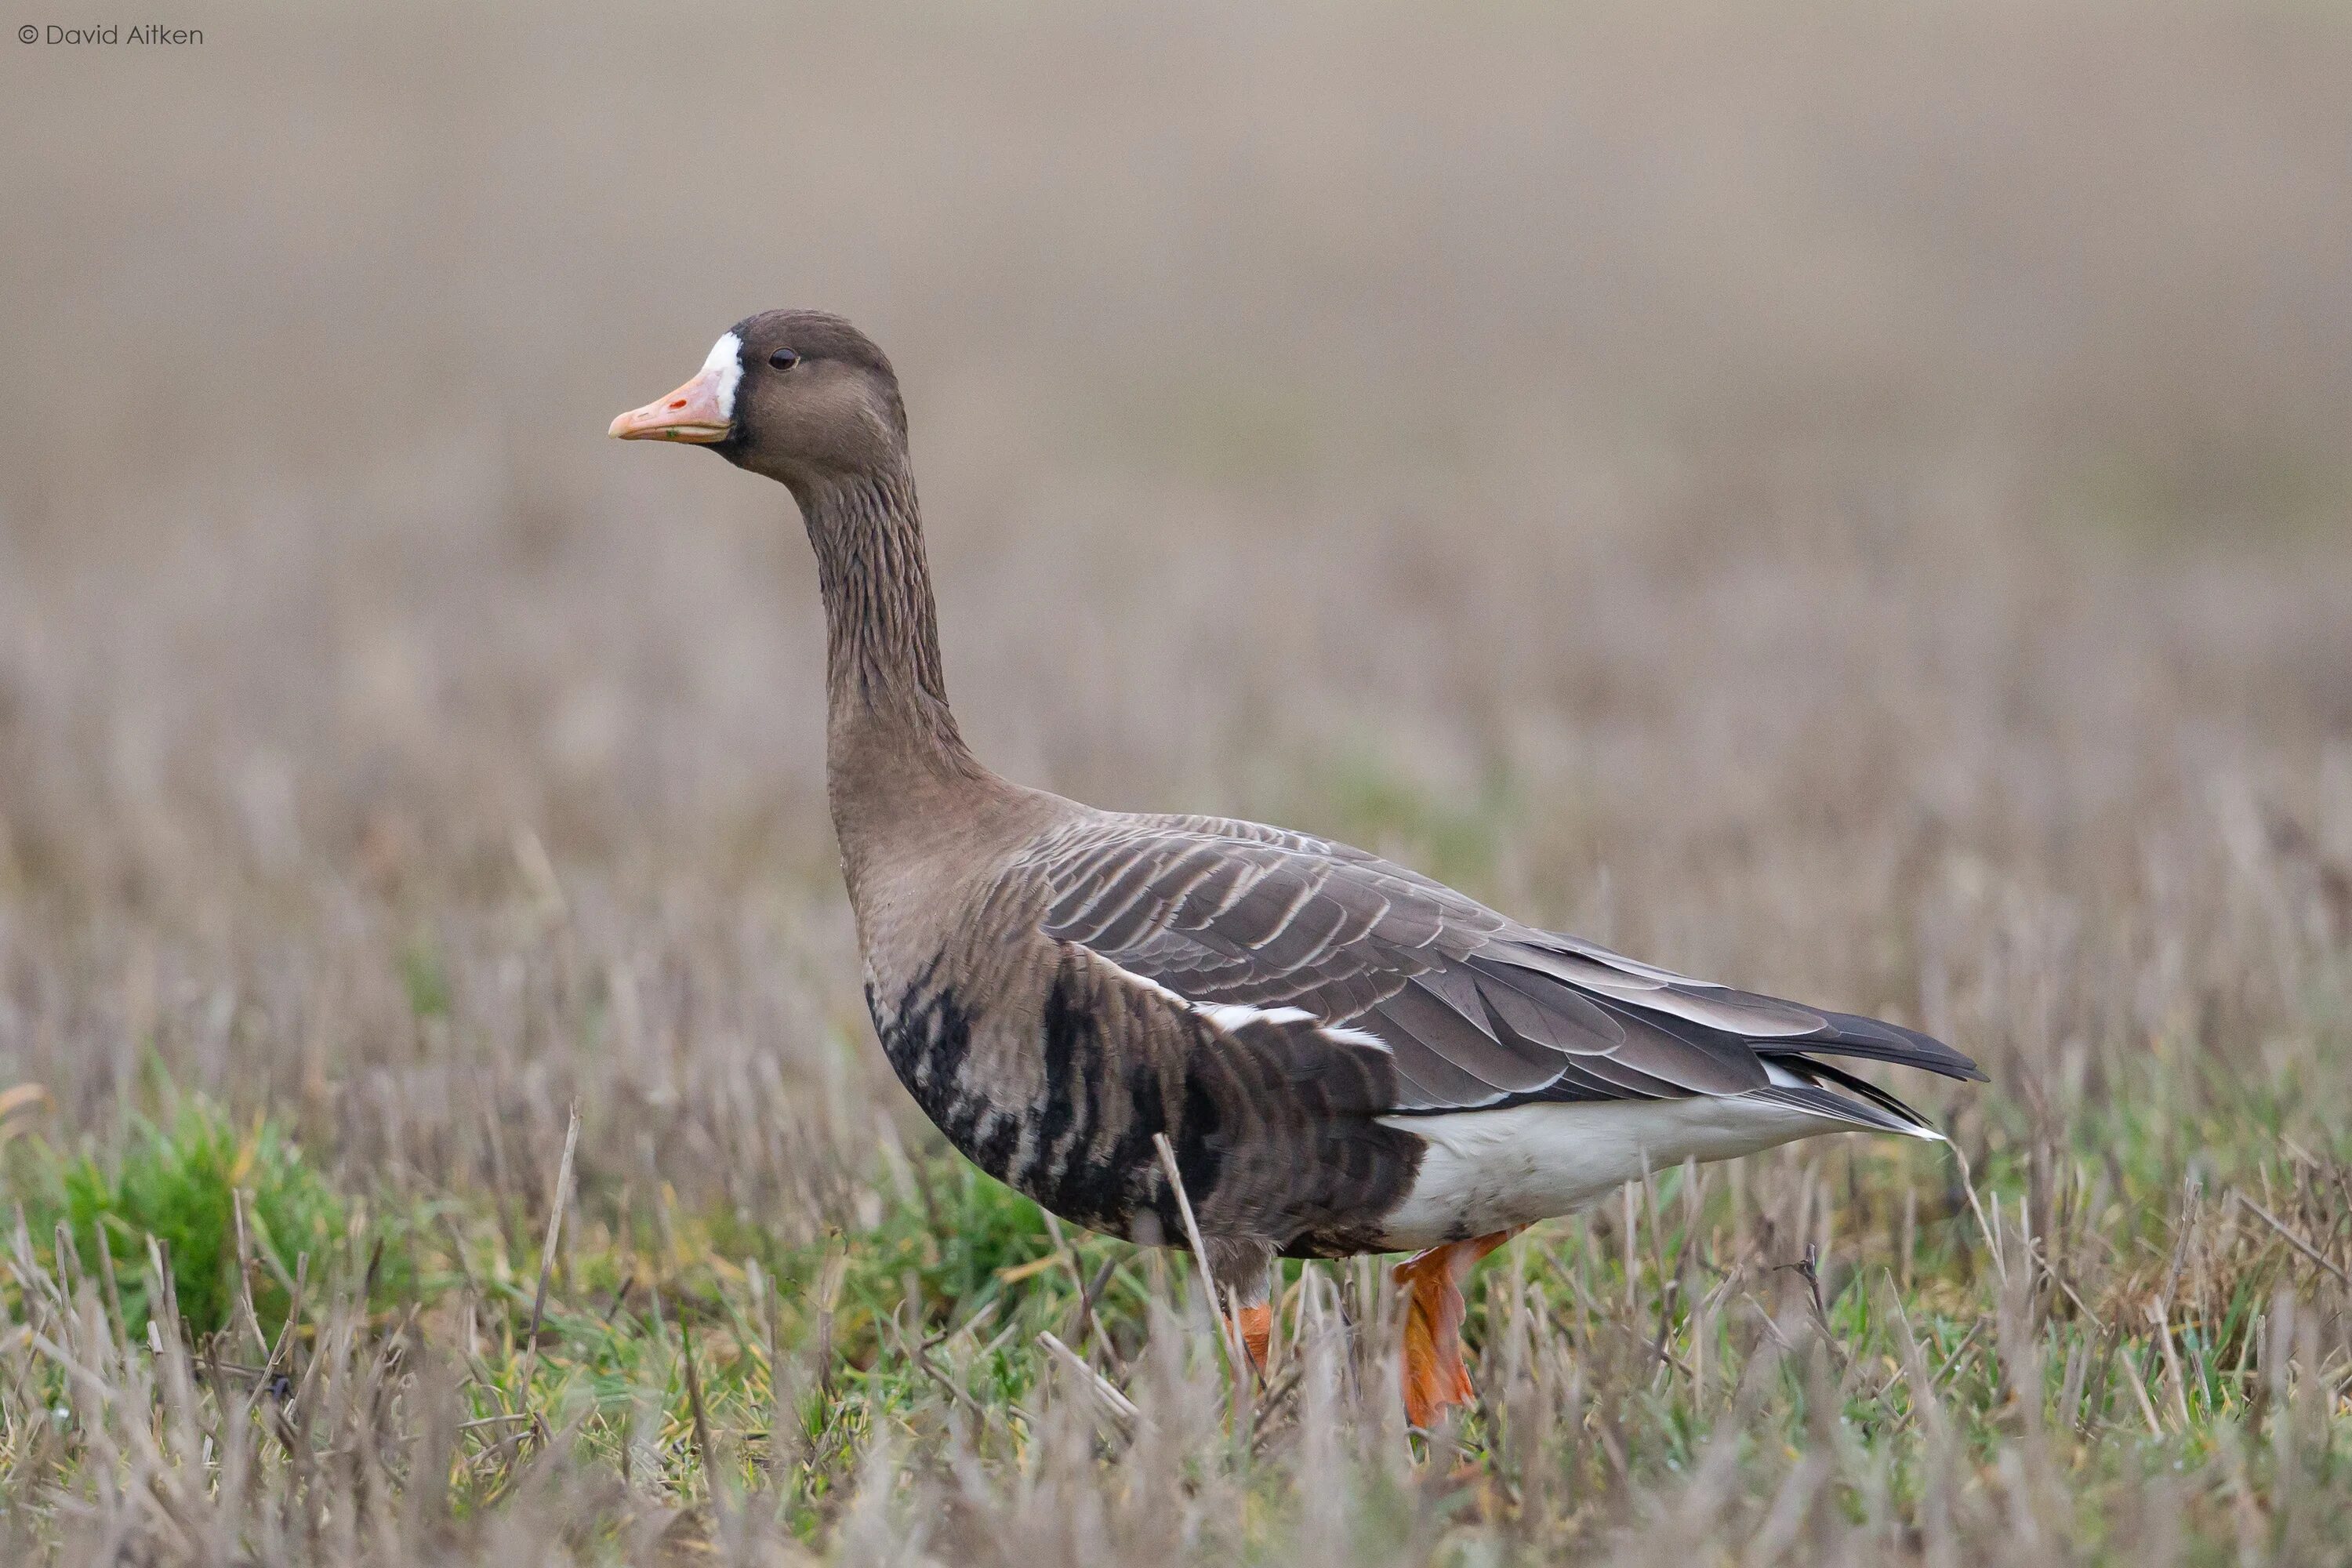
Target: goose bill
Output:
{"points": [[695, 412]]}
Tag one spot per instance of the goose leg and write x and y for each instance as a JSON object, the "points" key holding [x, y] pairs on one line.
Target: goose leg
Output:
{"points": [[1245, 1272], [1434, 1377], [1256, 1321]]}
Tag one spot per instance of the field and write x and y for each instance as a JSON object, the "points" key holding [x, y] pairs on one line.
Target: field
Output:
{"points": [[1853, 503]]}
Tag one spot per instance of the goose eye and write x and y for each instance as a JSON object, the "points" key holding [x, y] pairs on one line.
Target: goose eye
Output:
{"points": [[783, 359]]}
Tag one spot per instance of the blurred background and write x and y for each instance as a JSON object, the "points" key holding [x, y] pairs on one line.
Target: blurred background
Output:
{"points": [[1853, 502]]}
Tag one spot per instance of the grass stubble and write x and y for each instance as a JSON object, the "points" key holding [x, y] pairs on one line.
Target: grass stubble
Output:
{"points": [[1805, 1357], [1875, 530]]}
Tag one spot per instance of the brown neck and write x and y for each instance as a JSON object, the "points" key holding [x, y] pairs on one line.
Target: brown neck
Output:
{"points": [[893, 754]]}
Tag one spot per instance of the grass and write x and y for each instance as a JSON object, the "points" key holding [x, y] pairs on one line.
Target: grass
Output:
{"points": [[2101, 1355], [209, 1197]]}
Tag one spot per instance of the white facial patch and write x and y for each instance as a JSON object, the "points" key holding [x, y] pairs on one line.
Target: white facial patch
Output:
{"points": [[726, 365]]}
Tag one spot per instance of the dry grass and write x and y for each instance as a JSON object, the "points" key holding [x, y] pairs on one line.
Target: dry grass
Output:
{"points": [[1848, 503]]}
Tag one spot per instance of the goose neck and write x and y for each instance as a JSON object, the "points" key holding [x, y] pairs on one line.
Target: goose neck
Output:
{"points": [[892, 746]]}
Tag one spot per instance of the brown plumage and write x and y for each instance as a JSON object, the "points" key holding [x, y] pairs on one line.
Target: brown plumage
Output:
{"points": [[1345, 1055]]}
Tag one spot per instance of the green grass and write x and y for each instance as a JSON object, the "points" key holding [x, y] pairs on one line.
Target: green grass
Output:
{"points": [[182, 1183], [2160, 1345]]}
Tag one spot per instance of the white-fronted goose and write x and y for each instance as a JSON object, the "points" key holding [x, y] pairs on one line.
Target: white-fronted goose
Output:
{"points": [[1345, 1055]]}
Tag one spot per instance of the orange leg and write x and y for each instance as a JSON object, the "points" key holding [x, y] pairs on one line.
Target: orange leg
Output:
{"points": [[1256, 1325], [1434, 1377]]}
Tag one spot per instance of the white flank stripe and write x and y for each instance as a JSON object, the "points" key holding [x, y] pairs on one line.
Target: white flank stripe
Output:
{"points": [[1487, 1171], [1232, 1015], [1132, 978], [1229, 1016]]}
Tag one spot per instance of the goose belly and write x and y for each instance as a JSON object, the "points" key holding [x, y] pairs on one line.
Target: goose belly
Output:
{"points": [[1485, 1171]]}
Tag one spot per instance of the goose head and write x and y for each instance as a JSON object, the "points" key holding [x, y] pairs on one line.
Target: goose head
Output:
{"points": [[801, 396]]}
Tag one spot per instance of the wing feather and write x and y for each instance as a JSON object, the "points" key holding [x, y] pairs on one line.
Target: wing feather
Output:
{"points": [[1477, 1009]]}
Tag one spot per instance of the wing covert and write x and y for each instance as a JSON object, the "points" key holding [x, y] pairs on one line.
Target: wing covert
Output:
{"points": [[1475, 1008]]}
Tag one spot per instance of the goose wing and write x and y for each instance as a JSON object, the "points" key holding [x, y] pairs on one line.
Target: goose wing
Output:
{"points": [[1476, 1010]]}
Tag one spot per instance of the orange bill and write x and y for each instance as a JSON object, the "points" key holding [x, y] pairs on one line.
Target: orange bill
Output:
{"points": [[703, 410]]}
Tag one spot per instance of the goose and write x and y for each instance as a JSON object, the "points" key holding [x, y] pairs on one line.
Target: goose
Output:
{"points": [[1342, 1054]]}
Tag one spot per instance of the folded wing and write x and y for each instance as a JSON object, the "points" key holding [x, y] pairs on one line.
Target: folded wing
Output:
{"points": [[1477, 1010]]}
